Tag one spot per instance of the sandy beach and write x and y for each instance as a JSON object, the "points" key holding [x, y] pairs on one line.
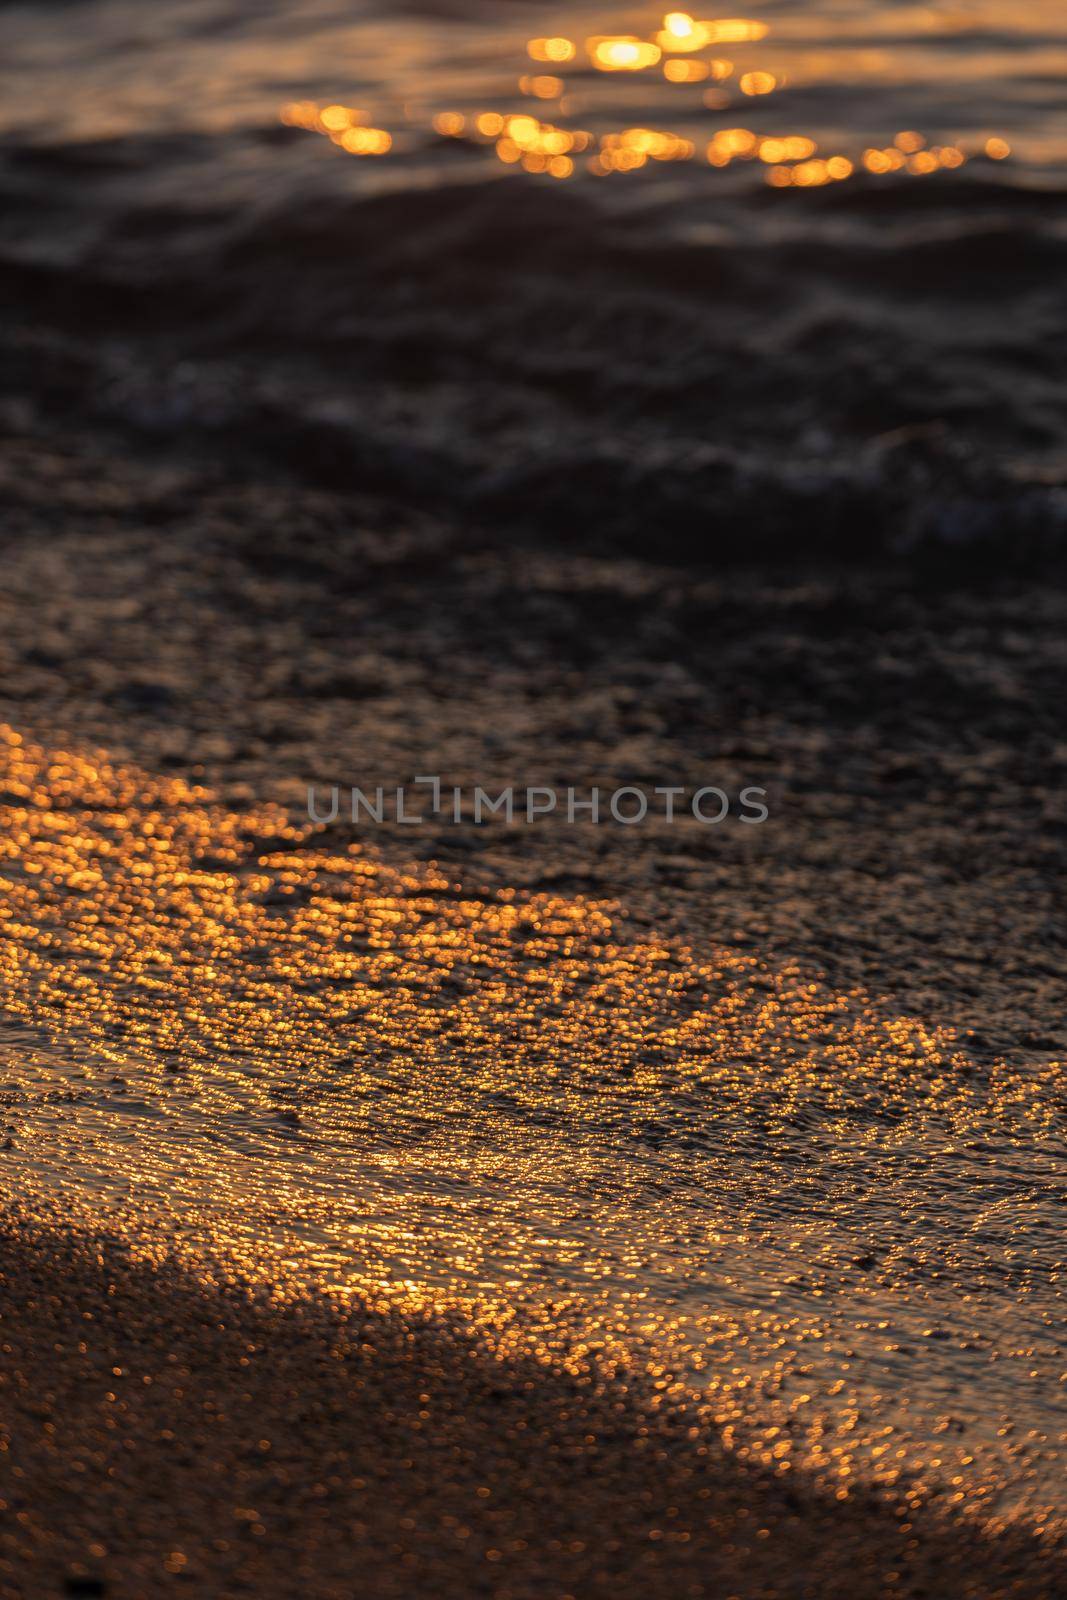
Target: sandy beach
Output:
{"points": [[174, 1432], [158, 650]]}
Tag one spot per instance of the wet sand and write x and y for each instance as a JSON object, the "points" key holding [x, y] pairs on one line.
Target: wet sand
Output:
{"points": [[244, 637], [159, 1430]]}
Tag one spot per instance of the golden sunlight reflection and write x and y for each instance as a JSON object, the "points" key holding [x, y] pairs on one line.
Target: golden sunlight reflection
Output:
{"points": [[558, 50], [625, 54], [681, 52], [681, 32], [264, 1045]]}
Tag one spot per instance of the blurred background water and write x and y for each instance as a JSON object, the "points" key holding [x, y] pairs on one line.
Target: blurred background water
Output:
{"points": [[848, 77], [814, 250]]}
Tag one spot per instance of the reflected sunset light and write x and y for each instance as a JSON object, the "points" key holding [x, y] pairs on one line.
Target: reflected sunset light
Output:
{"points": [[680, 52]]}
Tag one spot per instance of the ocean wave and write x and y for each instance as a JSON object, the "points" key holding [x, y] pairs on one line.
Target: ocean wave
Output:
{"points": [[836, 375]]}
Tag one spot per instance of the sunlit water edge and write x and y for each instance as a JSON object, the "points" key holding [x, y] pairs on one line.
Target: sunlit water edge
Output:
{"points": [[819, 1223]]}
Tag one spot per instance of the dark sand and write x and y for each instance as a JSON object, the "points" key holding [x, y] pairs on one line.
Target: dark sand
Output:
{"points": [[160, 1432]]}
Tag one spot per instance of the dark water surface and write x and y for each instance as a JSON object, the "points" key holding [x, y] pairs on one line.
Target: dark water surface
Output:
{"points": [[820, 312], [851, 76]]}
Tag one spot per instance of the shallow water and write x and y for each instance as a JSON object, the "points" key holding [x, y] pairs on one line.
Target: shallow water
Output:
{"points": [[827, 1227]]}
